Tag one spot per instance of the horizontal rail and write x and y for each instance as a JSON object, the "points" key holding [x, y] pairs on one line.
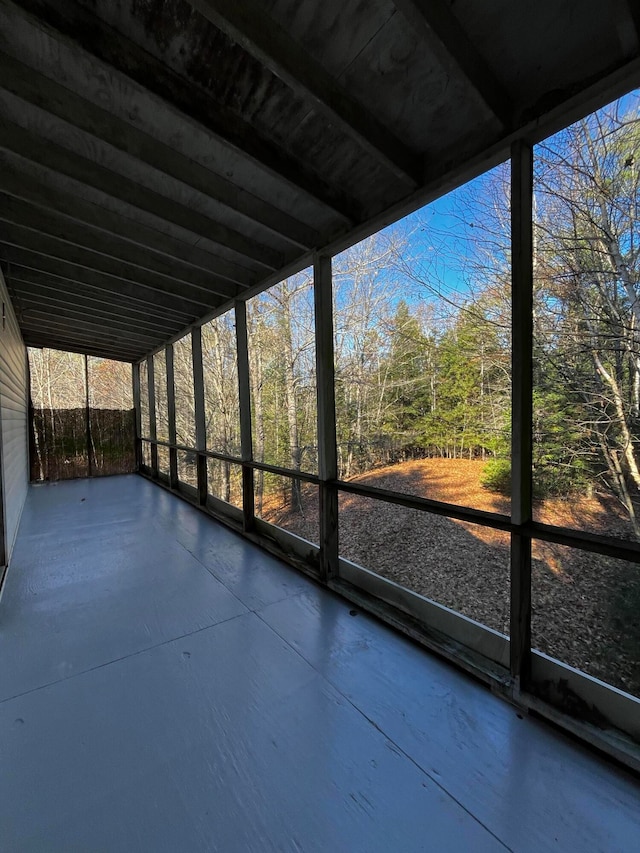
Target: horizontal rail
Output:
{"points": [[291, 473], [596, 543], [284, 472], [583, 540], [214, 454], [478, 516]]}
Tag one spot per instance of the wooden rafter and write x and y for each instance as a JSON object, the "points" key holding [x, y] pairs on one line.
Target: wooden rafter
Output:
{"points": [[91, 297], [249, 26], [37, 89], [27, 144], [17, 215], [116, 285], [19, 184], [39, 243], [438, 24], [71, 22]]}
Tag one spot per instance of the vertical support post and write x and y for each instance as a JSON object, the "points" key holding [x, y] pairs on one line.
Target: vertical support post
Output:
{"points": [[198, 397], [87, 415], [137, 414], [522, 405], [151, 384], [327, 451], [171, 412], [244, 396]]}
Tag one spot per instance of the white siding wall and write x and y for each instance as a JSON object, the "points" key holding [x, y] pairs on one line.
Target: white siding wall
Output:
{"points": [[13, 418]]}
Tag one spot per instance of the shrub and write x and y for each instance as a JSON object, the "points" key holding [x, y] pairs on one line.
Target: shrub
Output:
{"points": [[496, 476], [559, 481], [549, 481]]}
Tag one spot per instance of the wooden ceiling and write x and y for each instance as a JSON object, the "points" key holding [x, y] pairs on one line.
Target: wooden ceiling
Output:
{"points": [[159, 159]]}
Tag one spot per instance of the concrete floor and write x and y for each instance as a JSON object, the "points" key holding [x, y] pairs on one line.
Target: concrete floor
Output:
{"points": [[167, 686]]}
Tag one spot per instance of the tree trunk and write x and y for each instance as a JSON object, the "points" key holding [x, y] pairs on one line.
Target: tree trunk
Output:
{"points": [[290, 386], [256, 378]]}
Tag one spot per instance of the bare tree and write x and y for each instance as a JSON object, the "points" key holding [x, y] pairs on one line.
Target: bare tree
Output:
{"points": [[588, 319], [282, 367], [222, 413]]}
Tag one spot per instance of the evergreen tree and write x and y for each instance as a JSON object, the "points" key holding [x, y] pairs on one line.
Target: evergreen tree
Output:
{"points": [[408, 379]]}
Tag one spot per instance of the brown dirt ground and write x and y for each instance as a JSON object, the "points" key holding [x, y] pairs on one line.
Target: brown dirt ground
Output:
{"points": [[586, 607]]}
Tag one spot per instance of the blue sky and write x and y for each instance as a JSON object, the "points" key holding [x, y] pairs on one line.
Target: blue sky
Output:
{"points": [[449, 243], [442, 244]]}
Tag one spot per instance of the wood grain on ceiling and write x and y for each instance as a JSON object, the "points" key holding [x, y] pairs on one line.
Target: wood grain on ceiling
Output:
{"points": [[158, 159]]}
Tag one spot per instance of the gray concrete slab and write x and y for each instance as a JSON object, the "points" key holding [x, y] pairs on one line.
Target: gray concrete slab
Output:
{"points": [[166, 686]]}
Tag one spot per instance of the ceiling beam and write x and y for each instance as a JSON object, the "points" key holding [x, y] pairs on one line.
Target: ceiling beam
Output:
{"points": [[111, 284], [34, 339], [28, 301], [13, 211], [84, 329], [60, 101], [255, 31], [23, 186], [80, 25], [436, 22], [73, 337], [27, 144], [52, 247], [87, 337], [43, 284]]}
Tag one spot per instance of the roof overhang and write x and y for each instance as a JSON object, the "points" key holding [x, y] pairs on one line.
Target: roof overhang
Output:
{"points": [[160, 159]]}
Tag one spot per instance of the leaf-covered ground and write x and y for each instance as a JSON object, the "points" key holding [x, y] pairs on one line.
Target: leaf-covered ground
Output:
{"points": [[586, 607]]}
